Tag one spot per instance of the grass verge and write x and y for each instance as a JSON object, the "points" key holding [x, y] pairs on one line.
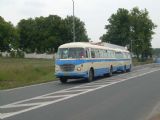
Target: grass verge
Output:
{"points": [[16, 72], [136, 62], [21, 72]]}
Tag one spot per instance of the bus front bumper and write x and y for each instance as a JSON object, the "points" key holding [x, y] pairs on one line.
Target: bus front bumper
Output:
{"points": [[72, 75]]}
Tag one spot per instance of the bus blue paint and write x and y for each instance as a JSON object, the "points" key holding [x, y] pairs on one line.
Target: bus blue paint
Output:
{"points": [[81, 61], [72, 74]]}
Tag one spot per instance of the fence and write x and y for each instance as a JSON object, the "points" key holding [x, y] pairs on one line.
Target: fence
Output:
{"points": [[32, 55]]}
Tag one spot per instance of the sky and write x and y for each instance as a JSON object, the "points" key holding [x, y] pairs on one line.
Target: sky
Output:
{"points": [[94, 13]]}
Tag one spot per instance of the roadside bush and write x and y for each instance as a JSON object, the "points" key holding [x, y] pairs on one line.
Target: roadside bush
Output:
{"points": [[0, 54], [17, 54], [20, 54], [13, 54]]}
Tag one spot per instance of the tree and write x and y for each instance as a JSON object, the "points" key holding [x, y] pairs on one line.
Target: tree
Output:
{"points": [[134, 27], [49, 30], [27, 33], [118, 28], [141, 32], [156, 52], [42, 34], [80, 31], [8, 36]]}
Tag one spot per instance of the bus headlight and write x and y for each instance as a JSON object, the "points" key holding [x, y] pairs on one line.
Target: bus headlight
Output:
{"points": [[56, 68], [79, 69]]}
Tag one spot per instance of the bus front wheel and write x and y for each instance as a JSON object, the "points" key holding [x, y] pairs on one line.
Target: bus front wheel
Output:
{"points": [[90, 75], [63, 80]]}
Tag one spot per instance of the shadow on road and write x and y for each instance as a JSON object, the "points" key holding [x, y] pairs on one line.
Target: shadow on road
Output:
{"points": [[83, 81]]}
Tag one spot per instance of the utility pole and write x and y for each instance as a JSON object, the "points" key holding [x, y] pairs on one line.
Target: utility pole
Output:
{"points": [[74, 36]]}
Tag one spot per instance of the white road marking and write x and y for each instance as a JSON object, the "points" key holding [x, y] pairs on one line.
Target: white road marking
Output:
{"points": [[53, 96], [72, 92], [22, 105], [94, 85]]}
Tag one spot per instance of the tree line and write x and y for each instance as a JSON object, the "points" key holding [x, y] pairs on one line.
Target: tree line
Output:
{"points": [[156, 52], [133, 29], [42, 34]]}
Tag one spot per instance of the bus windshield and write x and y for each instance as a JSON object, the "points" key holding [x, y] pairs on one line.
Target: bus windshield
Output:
{"points": [[71, 53]]}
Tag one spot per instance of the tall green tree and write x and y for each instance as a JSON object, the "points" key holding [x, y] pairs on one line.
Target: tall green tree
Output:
{"points": [[27, 31], [8, 36], [118, 28], [156, 52], [131, 28], [80, 31], [42, 34], [141, 32], [49, 30]]}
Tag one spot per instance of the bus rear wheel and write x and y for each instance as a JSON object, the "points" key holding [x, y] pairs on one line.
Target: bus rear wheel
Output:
{"points": [[90, 75], [124, 69], [110, 72], [63, 80], [130, 67]]}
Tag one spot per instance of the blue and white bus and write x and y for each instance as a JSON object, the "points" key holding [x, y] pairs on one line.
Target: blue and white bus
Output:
{"points": [[87, 60]]}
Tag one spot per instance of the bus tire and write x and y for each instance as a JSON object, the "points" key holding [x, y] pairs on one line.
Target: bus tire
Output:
{"points": [[110, 72], [90, 75], [124, 70], [63, 80], [130, 67]]}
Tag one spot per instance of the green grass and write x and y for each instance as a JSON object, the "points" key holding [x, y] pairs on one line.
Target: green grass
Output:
{"points": [[136, 62], [21, 72], [16, 72]]}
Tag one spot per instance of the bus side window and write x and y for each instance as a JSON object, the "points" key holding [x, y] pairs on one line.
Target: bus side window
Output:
{"points": [[126, 55], [116, 55], [92, 53], [112, 54], [121, 55], [109, 54], [87, 53], [97, 54], [101, 54], [130, 55], [106, 53]]}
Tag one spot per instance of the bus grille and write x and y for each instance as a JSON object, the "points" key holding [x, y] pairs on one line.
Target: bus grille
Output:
{"points": [[67, 67]]}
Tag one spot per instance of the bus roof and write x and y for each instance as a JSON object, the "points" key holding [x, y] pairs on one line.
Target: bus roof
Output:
{"points": [[80, 44], [92, 45], [74, 44]]}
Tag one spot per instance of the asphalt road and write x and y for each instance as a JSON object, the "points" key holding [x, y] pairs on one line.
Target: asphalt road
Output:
{"points": [[129, 96]]}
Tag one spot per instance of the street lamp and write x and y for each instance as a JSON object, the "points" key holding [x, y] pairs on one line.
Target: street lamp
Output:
{"points": [[74, 37]]}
